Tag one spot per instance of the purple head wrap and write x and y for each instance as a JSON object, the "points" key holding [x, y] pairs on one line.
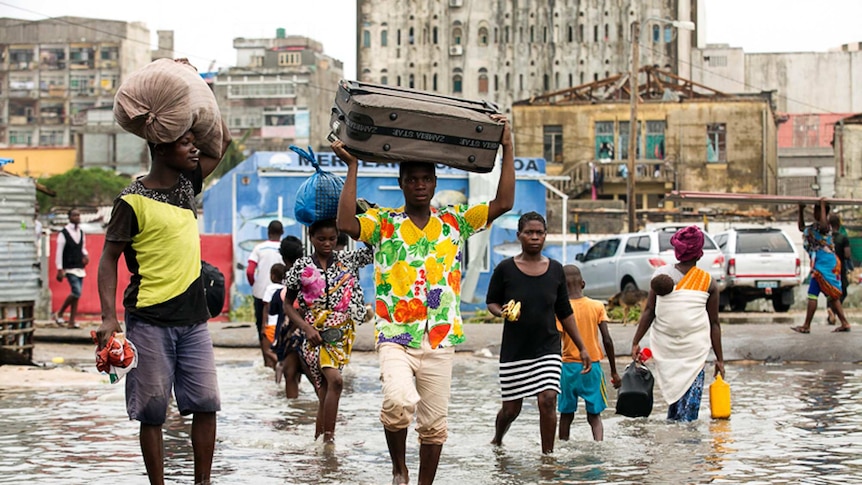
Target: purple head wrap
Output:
{"points": [[687, 243]]}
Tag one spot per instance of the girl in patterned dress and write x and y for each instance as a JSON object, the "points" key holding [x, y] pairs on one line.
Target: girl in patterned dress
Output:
{"points": [[326, 284]]}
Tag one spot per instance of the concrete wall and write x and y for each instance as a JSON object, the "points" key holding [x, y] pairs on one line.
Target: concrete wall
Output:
{"points": [[39, 162], [848, 161], [806, 82]]}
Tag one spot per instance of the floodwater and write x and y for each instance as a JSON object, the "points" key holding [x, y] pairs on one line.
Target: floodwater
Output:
{"points": [[790, 424]]}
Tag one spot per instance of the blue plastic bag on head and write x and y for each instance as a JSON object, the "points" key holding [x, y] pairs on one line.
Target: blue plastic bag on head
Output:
{"points": [[317, 197]]}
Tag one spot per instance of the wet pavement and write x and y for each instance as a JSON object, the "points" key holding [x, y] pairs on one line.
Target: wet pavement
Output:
{"points": [[756, 336]]}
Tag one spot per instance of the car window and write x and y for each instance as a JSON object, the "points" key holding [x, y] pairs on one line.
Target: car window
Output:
{"points": [[602, 249], [638, 244], [721, 241], [762, 242], [665, 245]]}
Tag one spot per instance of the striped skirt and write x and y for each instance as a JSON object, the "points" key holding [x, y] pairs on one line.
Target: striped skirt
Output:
{"points": [[525, 378]]}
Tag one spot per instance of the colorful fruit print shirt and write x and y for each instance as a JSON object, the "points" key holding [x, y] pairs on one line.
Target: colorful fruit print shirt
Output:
{"points": [[417, 272]]}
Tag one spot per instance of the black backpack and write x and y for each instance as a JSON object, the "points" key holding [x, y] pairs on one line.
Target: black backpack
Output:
{"points": [[213, 281]]}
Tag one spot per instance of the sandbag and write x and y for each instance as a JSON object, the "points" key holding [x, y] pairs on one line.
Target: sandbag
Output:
{"points": [[635, 398], [317, 197], [167, 98]]}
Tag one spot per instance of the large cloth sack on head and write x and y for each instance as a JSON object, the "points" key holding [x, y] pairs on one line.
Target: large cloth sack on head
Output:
{"points": [[167, 98], [317, 197]]}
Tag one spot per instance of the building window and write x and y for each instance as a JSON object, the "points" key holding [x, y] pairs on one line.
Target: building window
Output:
{"points": [[520, 82], [289, 58], [604, 140], [483, 81], [506, 36], [546, 83], [398, 80], [595, 33], [581, 76], [570, 34], [496, 35], [457, 84], [571, 80], [532, 34], [256, 61], [51, 137], [607, 32], [262, 90], [716, 143], [545, 35], [434, 82], [411, 82], [384, 40], [384, 80], [398, 37], [483, 36], [656, 34], [624, 141], [580, 32], [507, 81], [655, 140], [496, 83], [366, 38], [553, 143], [17, 137], [410, 38], [434, 35], [456, 36]]}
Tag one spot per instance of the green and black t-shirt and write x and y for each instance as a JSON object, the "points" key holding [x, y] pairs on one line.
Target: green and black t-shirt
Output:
{"points": [[164, 251]]}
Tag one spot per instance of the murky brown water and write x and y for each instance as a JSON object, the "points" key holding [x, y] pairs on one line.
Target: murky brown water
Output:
{"points": [[790, 424]]}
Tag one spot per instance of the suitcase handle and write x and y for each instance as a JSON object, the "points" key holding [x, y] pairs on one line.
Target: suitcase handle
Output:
{"points": [[361, 87]]}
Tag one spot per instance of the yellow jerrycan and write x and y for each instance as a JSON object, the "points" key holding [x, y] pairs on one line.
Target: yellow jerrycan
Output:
{"points": [[719, 398]]}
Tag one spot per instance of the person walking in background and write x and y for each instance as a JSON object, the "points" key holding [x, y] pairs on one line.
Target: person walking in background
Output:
{"points": [[591, 319], [71, 259], [154, 224], [683, 324], [288, 338], [825, 267], [417, 267], [331, 304], [273, 309], [842, 250], [530, 355], [260, 261]]}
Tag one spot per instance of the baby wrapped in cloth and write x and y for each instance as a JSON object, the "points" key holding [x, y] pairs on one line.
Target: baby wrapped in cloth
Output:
{"points": [[680, 333]]}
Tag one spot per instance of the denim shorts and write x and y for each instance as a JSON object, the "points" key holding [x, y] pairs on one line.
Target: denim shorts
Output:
{"points": [[178, 358], [75, 283]]}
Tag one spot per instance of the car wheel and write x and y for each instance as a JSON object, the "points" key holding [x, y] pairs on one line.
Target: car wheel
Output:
{"points": [[629, 286], [778, 306], [738, 305]]}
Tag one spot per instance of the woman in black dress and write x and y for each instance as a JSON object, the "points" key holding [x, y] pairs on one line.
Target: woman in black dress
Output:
{"points": [[530, 360]]}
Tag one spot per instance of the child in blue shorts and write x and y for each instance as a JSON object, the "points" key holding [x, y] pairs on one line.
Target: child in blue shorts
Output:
{"points": [[591, 319]]}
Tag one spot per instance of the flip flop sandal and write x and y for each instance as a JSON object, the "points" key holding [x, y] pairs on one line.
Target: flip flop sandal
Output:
{"points": [[800, 329], [841, 329]]}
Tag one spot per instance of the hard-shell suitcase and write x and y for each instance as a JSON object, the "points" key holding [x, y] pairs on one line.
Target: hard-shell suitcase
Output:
{"points": [[392, 124]]}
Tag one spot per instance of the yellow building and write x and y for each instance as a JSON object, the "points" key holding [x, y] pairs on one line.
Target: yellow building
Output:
{"points": [[689, 138], [39, 162]]}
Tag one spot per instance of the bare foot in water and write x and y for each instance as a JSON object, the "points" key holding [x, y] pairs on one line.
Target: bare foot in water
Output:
{"points": [[399, 480]]}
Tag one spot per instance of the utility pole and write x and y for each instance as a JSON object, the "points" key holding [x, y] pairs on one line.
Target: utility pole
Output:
{"points": [[633, 128]]}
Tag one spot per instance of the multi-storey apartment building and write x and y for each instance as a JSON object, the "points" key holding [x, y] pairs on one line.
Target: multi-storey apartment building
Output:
{"points": [[52, 71], [507, 50], [280, 92]]}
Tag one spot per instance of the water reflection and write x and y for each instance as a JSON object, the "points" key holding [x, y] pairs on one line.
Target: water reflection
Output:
{"points": [[790, 424]]}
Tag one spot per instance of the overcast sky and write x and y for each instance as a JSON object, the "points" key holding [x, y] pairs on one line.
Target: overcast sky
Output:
{"points": [[204, 34]]}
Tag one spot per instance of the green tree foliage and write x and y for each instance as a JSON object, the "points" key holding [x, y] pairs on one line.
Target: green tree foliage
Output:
{"points": [[232, 157], [82, 187]]}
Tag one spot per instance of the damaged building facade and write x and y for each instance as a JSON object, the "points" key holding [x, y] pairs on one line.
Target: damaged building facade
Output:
{"points": [[689, 138], [279, 93], [503, 50]]}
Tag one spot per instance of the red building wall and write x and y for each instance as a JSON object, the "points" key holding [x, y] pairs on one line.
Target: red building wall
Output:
{"points": [[215, 249]]}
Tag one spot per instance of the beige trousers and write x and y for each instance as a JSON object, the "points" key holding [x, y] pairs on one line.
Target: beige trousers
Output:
{"points": [[416, 381]]}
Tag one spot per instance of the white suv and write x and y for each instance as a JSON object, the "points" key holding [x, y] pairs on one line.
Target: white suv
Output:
{"points": [[628, 261], [761, 263]]}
